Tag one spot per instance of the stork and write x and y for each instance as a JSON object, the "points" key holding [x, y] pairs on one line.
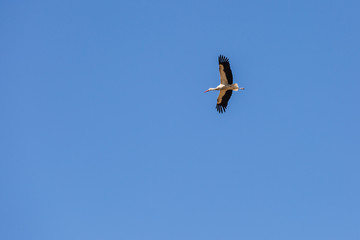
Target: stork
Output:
{"points": [[226, 86]]}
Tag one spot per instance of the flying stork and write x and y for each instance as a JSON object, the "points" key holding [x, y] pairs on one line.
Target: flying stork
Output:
{"points": [[226, 86]]}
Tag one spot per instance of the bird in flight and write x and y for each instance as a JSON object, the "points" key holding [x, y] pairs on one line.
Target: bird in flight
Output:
{"points": [[226, 86]]}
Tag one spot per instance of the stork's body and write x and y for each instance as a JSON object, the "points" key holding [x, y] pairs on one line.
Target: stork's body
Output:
{"points": [[226, 84], [224, 87]]}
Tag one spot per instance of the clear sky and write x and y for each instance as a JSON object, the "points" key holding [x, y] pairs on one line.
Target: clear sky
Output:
{"points": [[106, 132]]}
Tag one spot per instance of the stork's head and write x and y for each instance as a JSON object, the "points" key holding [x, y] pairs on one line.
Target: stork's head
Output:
{"points": [[210, 89]]}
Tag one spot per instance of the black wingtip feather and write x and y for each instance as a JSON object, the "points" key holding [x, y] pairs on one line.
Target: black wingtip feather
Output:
{"points": [[223, 59], [220, 109]]}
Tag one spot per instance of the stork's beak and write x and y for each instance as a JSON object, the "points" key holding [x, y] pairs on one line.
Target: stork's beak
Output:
{"points": [[242, 88], [206, 91]]}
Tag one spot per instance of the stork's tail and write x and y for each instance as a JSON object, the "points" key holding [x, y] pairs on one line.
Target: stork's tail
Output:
{"points": [[235, 87]]}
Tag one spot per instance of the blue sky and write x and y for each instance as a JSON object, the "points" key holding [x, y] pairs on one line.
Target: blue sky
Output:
{"points": [[106, 132]]}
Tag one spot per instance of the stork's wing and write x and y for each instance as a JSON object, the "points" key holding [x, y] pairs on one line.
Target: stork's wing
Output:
{"points": [[226, 76], [223, 100]]}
